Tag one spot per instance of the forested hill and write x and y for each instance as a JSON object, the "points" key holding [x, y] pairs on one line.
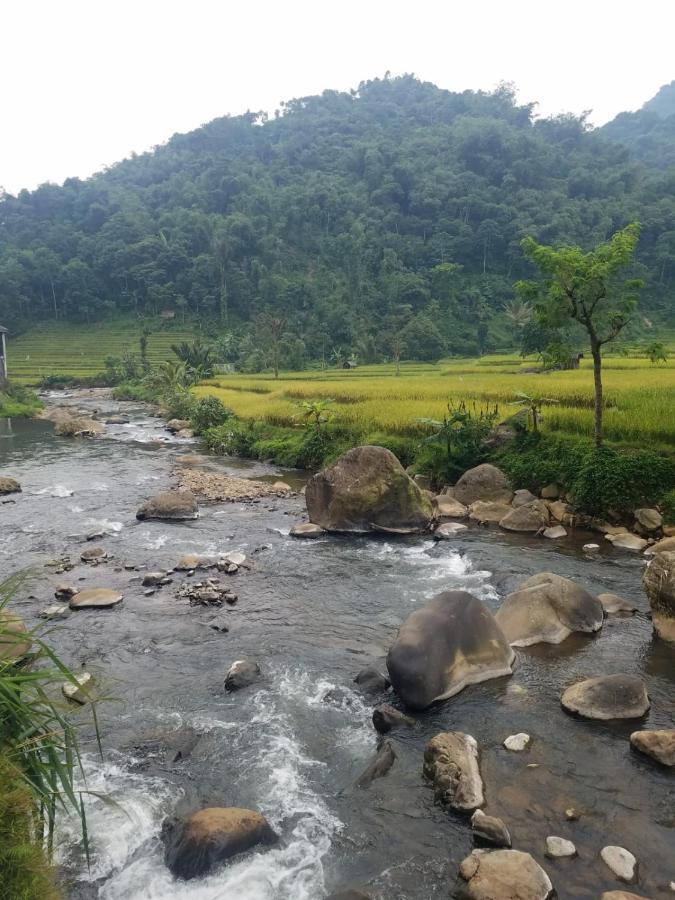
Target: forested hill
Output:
{"points": [[397, 208], [649, 132]]}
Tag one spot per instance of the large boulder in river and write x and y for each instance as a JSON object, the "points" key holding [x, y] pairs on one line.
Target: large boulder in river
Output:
{"points": [[607, 697], [532, 517], [504, 875], [547, 608], [451, 764], [9, 485], [484, 482], [659, 583], [452, 641], [367, 489], [211, 836], [170, 505]]}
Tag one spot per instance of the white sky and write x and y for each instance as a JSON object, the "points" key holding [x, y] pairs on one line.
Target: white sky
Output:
{"points": [[86, 82]]}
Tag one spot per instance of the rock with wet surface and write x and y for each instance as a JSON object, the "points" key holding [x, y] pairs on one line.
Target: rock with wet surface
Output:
{"points": [[504, 875], [523, 497], [662, 546], [9, 485], [210, 592], [306, 530], [192, 561], [155, 579], [170, 505], [485, 482], [210, 837], [559, 848], [614, 605], [449, 508], [555, 532], [517, 742], [370, 680], [380, 764], [607, 697], [242, 673], [488, 512], [533, 517], [95, 598], [94, 554], [547, 608], [447, 531], [489, 830], [15, 639], [627, 541], [450, 642], [367, 489], [64, 591], [451, 765], [386, 718], [620, 861], [658, 580], [660, 745]]}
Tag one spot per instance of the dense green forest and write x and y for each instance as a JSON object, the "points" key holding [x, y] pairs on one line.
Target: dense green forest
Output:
{"points": [[375, 221]]}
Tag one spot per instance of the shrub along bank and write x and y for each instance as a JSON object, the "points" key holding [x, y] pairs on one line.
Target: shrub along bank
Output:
{"points": [[17, 401]]}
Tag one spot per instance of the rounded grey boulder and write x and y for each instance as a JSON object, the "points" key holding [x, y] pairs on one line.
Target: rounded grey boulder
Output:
{"points": [[451, 764], [659, 583], [504, 875], [9, 485], [452, 641], [607, 697], [484, 482]]}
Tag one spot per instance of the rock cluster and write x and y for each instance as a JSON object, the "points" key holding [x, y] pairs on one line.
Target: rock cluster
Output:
{"points": [[209, 592]]}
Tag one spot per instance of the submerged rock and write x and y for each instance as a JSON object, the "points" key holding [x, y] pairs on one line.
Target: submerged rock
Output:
{"points": [[57, 611], [547, 608], [446, 531], [627, 541], [620, 861], [371, 681], [210, 592], [241, 674], [517, 742], [93, 598], [485, 482], [488, 512], [306, 530], [533, 517], [660, 745], [9, 485], [384, 759], [210, 837], [659, 583], [15, 641], [555, 532], [451, 764], [386, 718], [367, 489], [452, 641], [489, 830], [614, 605], [94, 554], [607, 697], [504, 875], [176, 505], [559, 848]]}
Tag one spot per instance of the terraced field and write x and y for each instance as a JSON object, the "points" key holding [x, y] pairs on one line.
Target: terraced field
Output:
{"points": [[78, 350]]}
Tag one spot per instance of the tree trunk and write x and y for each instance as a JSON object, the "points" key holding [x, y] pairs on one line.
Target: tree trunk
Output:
{"points": [[597, 380]]}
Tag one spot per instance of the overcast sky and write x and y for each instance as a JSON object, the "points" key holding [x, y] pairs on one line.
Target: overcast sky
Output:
{"points": [[86, 82]]}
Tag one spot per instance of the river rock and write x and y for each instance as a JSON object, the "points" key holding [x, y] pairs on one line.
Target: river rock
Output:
{"points": [[523, 497], [232, 558], [559, 848], [211, 836], [451, 764], [649, 519], [58, 611], [489, 830], [241, 674], [547, 608], [591, 549], [153, 579], [614, 605], [386, 718], [15, 639], [550, 492], [210, 592], [371, 681], [504, 875], [560, 511], [170, 505], [79, 426], [367, 489], [620, 861], [488, 512], [658, 580], [449, 508], [485, 482], [662, 546], [447, 531], [64, 591], [517, 742], [306, 530], [74, 692], [452, 641], [660, 745], [9, 485], [93, 598], [117, 420], [622, 895], [555, 532], [176, 425], [607, 697], [382, 761], [192, 561], [627, 541], [93, 554], [533, 517]]}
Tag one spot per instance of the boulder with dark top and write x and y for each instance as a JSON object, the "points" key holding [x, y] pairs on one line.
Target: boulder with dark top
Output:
{"points": [[371, 681], [547, 608], [367, 489], [382, 761], [210, 837], [488, 512], [660, 745], [176, 505], [659, 583], [451, 765], [450, 642], [484, 482], [489, 830], [533, 517], [386, 718], [9, 485], [504, 875], [607, 697], [15, 641], [241, 674]]}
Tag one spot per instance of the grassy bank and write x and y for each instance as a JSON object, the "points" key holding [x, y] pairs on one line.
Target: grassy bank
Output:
{"points": [[18, 402]]}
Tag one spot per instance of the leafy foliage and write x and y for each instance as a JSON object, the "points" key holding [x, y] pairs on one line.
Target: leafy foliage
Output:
{"points": [[456, 442], [209, 412]]}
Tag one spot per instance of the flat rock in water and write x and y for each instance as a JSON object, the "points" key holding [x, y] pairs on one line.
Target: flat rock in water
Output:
{"points": [[54, 612], [591, 548], [449, 508], [489, 830], [234, 558], [488, 512], [555, 532], [194, 561], [504, 875], [620, 861], [484, 482], [517, 742], [446, 531], [607, 697], [9, 485], [15, 639], [151, 579], [660, 745], [451, 764], [627, 541], [559, 848], [95, 597], [614, 605], [170, 505], [306, 530], [93, 554], [622, 895]]}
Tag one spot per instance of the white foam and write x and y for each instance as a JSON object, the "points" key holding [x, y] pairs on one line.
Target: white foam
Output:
{"points": [[104, 525], [153, 543], [57, 490]]}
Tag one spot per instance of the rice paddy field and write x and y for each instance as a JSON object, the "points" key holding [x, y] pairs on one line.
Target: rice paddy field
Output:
{"points": [[640, 396]]}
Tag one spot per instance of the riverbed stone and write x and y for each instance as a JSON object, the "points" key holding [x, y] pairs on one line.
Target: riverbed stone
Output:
{"points": [[504, 875], [192, 561], [555, 532], [550, 491], [176, 425], [622, 895], [93, 554], [386, 718], [533, 517], [241, 674], [451, 764], [662, 546], [523, 497], [306, 530], [176, 505], [660, 745], [93, 598], [78, 693], [559, 848], [15, 641], [380, 764], [658, 580], [607, 697], [79, 426], [547, 608], [648, 519], [367, 489], [208, 838], [57, 611], [620, 861], [488, 512], [450, 642], [9, 485], [560, 511], [447, 531], [370, 680], [591, 549], [627, 541], [517, 742], [485, 482], [489, 830], [154, 579], [614, 605], [449, 508]]}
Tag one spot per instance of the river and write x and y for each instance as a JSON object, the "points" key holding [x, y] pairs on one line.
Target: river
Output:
{"points": [[313, 613]]}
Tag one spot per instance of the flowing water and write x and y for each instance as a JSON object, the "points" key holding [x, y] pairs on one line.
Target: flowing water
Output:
{"points": [[313, 613]]}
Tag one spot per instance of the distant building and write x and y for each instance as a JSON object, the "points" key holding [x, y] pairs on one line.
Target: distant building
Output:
{"points": [[3, 354]]}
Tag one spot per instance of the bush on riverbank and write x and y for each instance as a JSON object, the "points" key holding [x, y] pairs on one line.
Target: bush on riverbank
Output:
{"points": [[17, 401]]}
